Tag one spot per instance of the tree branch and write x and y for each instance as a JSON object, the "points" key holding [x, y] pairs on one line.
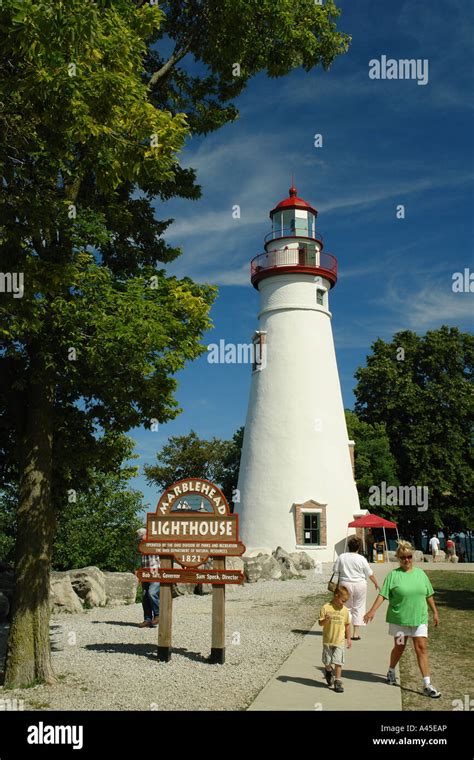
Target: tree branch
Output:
{"points": [[176, 56]]}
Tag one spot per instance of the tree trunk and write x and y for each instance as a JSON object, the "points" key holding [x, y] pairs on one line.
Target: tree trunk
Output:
{"points": [[29, 651]]}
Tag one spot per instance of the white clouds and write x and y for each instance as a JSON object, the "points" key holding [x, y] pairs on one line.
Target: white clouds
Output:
{"points": [[431, 306]]}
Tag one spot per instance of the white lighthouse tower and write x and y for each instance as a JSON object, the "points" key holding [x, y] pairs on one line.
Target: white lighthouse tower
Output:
{"points": [[296, 483]]}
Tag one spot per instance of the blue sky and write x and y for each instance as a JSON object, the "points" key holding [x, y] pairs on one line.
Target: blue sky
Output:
{"points": [[385, 142]]}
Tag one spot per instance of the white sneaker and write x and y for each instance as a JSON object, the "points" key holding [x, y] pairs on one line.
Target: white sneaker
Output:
{"points": [[391, 677], [430, 691]]}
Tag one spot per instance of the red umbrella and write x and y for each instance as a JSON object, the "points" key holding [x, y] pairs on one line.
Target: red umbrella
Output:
{"points": [[372, 521]]}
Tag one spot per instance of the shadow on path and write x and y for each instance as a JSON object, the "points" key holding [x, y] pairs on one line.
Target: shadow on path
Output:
{"points": [[148, 650], [306, 632], [116, 622]]}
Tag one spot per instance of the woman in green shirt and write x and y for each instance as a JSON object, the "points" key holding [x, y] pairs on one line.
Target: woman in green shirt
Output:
{"points": [[409, 592]]}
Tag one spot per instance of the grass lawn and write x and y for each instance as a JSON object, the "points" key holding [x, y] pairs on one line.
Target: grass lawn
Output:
{"points": [[449, 645]]}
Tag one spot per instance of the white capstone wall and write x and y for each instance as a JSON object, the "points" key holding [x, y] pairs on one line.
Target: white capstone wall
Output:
{"points": [[296, 443]]}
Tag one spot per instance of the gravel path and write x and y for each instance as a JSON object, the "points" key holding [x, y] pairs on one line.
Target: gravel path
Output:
{"points": [[104, 662]]}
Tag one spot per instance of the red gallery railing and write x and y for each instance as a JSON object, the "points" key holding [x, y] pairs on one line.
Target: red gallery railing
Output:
{"points": [[294, 258]]}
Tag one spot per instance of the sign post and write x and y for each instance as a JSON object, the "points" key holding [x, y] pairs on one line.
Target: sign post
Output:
{"points": [[192, 524], [218, 617], [166, 616]]}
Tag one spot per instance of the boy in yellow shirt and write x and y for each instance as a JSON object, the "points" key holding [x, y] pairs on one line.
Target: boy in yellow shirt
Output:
{"points": [[335, 619]]}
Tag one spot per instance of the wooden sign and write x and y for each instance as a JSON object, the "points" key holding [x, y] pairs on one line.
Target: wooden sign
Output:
{"points": [[192, 523], [191, 553], [179, 575]]}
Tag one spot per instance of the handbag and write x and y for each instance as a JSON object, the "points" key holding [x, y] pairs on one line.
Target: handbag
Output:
{"points": [[332, 585]]}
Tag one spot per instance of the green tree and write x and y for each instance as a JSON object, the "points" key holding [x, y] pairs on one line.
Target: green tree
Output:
{"points": [[92, 119], [229, 41], [231, 467], [93, 344], [189, 456], [420, 387], [100, 527], [373, 460]]}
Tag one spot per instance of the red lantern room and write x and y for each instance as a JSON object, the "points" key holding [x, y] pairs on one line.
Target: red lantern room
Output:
{"points": [[293, 246]]}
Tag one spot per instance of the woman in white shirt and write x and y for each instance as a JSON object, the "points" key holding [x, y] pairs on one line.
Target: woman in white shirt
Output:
{"points": [[354, 570]]}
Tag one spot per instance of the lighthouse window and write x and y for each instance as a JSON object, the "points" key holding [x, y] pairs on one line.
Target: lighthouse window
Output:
{"points": [[259, 352], [311, 529], [320, 297]]}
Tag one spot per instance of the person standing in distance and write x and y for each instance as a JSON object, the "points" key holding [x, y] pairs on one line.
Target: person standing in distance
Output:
{"points": [[434, 546], [151, 591]]}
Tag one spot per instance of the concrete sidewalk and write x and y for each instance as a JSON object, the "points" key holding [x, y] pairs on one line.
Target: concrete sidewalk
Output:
{"points": [[299, 684]]}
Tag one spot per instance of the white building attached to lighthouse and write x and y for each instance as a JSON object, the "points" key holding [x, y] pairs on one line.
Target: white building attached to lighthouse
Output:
{"points": [[296, 483]]}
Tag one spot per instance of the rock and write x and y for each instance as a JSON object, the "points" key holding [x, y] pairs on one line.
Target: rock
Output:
{"points": [[201, 589], [454, 559], [253, 569], [281, 553], [184, 588], [440, 558], [287, 566], [89, 585], [62, 597], [302, 561], [271, 569], [263, 567], [234, 563], [255, 552], [120, 588], [4, 607], [417, 556]]}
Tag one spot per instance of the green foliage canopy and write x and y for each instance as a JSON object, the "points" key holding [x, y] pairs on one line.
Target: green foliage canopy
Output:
{"points": [[189, 456], [420, 387]]}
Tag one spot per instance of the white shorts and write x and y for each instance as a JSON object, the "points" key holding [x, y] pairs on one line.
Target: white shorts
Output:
{"points": [[408, 630]]}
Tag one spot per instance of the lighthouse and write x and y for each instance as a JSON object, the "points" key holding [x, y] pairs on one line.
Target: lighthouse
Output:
{"points": [[296, 485]]}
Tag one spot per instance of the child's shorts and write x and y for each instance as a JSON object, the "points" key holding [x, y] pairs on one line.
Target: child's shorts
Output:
{"points": [[333, 655]]}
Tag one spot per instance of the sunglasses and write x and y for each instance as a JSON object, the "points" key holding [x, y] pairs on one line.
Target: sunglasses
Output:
{"points": [[406, 556]]}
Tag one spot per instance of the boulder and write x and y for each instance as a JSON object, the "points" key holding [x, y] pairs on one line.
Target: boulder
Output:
{"points": [[201, 589], [255, 552], [264, 567], [287, 566], [184, 588], [417, 556], [302, 561], [440, 558], [454, 559], [234, 563], [89, 585], [4, 607], [253, 568], [271, 569], [62, 597], [120, 588], [281, 553]]}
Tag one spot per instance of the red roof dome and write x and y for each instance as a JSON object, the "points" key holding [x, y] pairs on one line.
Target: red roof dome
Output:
{"points": [[293, 202]]}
